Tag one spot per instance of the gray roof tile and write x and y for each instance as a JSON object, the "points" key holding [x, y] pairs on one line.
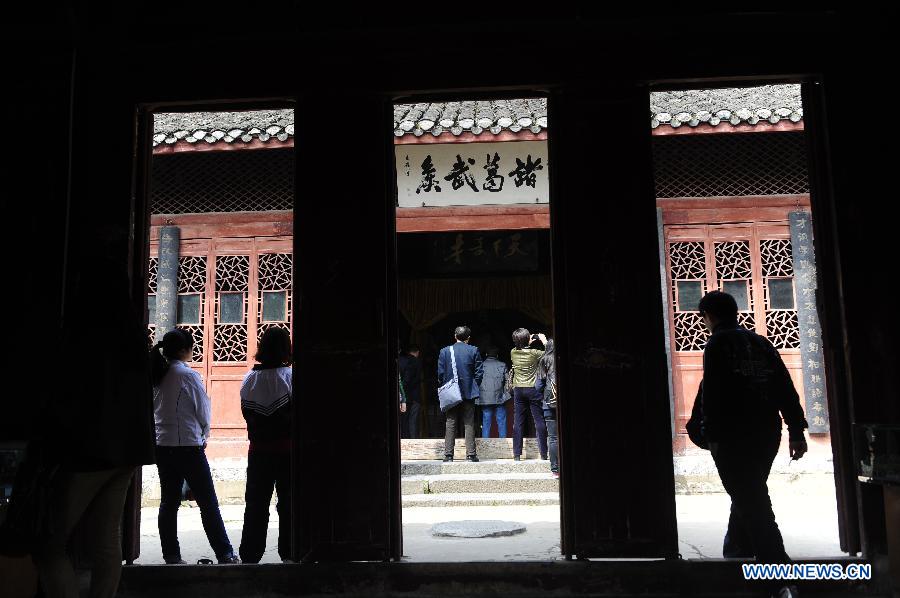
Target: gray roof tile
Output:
{"points": [[742, 105], [222, 127], [769, 103]]}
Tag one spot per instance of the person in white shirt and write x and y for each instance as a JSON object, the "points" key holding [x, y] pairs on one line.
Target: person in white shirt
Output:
{"points": [[266, 405], [181, 409]]}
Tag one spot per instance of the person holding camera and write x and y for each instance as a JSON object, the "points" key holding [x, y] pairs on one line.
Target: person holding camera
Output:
{"points": [[525, 360]]}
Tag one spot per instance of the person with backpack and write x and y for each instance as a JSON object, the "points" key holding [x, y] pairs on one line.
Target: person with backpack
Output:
{"points": [[545, 383], [493, 394]]}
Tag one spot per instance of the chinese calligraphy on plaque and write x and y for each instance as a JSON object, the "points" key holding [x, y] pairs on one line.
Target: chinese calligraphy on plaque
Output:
{"points": [[810, 332], [487, 251], [467, 174]]}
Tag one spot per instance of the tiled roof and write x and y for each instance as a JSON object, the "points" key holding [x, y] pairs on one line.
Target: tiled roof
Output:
{"points": [[474, 117], [750, 105], [218, 127], [745, 105]]}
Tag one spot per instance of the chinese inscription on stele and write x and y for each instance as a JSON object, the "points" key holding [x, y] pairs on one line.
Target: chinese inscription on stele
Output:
{"points": [[468, 174], [808, 318]]}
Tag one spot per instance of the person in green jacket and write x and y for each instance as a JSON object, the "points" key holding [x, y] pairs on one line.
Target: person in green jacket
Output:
{"points": [[525, 360]]}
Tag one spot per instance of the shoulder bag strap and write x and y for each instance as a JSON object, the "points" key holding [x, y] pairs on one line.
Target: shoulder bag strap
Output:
{"points": [[453, 361]]}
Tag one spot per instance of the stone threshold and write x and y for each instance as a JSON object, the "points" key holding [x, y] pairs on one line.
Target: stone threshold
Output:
{"points": [[613, 577]]}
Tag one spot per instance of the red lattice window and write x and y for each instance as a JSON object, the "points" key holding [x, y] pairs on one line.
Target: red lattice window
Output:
{"points": [[191, 308], [782, 326], [730, 165], [151, 298], [687, 268], [734, 273], [274, 276], [232, 290]]}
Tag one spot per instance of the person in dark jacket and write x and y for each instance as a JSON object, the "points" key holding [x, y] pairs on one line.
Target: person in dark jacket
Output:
{"points": [[493, 396], [411, 377], [470, 370], [545, 383], [96, 423], [745, 392], [266, 405]]}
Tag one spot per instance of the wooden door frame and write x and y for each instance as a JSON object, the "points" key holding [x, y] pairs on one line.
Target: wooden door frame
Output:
{"points": [[831, 298], [139, 227], [516, 216]]}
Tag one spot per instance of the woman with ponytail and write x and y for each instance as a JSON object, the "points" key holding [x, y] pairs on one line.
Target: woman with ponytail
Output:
{"points": [[182, 411]]}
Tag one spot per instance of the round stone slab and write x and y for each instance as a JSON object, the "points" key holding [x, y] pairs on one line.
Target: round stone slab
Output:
{"points": [[477, 528]]}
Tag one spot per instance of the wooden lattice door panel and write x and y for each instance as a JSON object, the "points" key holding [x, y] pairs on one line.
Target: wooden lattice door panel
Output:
{"points": [[777, 274], [152, 287], [734, 275], [688, 283], [192, 308], [779, 298], [232, 296], [689, 278], [192, 297], [751, 261], [193, 275], [232, 332], [274, 297], [229, 291], [252, 286]]}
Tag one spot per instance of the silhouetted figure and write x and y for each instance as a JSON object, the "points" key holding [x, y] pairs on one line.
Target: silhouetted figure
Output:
{"points": [[493, 396], [744, 389], [411, 376], [545, 384], [266, 394], [97, 424], [525, 396], [470, 370], [182, 411]]}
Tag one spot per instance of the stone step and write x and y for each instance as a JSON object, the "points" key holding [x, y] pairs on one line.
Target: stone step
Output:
{"points": [[492, 483], [483, 466], [480, 499], [413, 449]]}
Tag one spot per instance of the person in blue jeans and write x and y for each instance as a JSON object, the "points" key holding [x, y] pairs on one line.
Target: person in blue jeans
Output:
{"points": [[181, 409], [545, 383], [493, 396]]}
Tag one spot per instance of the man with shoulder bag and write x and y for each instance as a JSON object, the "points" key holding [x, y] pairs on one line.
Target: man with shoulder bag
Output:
{"points": [[460, 371]]}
